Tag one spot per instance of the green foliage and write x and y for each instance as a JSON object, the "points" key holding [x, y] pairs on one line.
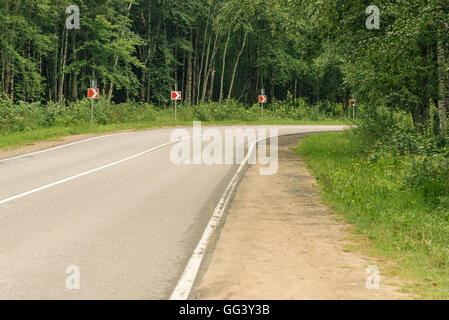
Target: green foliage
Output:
{"points": [[138, 50], [428, 175], [422, 156], [25, 116], [399, 201]]}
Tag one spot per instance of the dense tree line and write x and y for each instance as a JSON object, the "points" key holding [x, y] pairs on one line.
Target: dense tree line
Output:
{"points": [[213, 49], [220, 49], [404, 64]]}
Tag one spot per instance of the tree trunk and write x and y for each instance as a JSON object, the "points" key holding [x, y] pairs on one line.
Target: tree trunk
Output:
{"points": [[54, 92], [203, 74], [211, 13], [195, 65], [208, 70], [12, 89], [294, 89], [142, 85], [211, 89], [236, 64], [111, 85], [3, 75], [443, 88], [189, 72], [8, 76], [148, 88], [63, 63], [224, 64], [183, 73]]}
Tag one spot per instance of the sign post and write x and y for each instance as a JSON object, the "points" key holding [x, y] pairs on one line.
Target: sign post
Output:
{"points": [[353, 104], [176, 95], [262, 100], [92, 94], [176, 101]]}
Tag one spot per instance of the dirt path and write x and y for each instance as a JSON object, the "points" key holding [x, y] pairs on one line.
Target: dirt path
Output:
{"points": [[280, 242]]}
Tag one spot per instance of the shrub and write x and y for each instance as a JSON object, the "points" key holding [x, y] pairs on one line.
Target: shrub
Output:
{"points": [[421, 156], [24, 116], [428, 175]]}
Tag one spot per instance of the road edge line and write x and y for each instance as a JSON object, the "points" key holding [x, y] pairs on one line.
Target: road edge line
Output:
{"points": [[185, 283], [71, 144]]}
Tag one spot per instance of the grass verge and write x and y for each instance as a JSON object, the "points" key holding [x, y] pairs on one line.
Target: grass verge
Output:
{"points": [[402, 227], [21, 138]]}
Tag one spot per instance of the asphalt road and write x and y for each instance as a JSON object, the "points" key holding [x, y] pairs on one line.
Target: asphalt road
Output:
{"points": [[115, 207]]}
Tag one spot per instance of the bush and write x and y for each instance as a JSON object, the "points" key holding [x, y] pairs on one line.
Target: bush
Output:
{"points": [[421, 156], [23, 116], [428, 175], [376, 121]]}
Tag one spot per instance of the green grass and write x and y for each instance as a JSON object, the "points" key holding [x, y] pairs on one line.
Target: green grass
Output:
{"points": [[21, 138], [399, 223]]}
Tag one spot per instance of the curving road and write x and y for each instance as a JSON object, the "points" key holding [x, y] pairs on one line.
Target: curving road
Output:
{"points": [[115, 206]]}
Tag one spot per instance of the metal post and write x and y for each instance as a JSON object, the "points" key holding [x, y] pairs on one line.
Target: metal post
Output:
{"points": [[93, 85], [176, 101], [261, 109]]}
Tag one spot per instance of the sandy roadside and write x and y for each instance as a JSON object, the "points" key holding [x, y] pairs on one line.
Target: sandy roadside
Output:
{"points": [[280, 242]]}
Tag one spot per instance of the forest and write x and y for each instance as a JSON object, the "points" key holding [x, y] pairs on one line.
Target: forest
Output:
{"points": [[389, 176], [216, 50], [137, 50]]}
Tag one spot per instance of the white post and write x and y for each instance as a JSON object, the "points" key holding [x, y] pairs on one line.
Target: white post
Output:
{"points": [[176, 101], [261, 109], [93, 85]]}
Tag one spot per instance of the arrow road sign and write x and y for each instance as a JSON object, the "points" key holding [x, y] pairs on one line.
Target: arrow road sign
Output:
{"points": [[262, 99], [176, 95], [93, 93], [353, 103]]}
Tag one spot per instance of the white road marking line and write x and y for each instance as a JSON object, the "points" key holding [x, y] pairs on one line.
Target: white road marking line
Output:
{"points": [[57, 147], [81, 141], [185, 283], [110, 135], [76, 142], [21, 195]]}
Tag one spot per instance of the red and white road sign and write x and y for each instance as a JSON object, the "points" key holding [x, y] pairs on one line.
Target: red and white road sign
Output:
{"points": [[262, 99], [93, 93], [176, 95]]}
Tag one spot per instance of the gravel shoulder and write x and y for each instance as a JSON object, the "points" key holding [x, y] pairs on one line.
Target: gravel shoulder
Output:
{"points": [[280, 241]]}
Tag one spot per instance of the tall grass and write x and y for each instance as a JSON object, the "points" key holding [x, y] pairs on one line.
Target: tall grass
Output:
{"points": [[404, 224]]}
